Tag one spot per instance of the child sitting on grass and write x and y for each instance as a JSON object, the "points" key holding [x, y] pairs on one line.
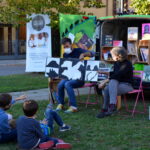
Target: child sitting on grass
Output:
{"points": [[29, 132], [8, 130]]}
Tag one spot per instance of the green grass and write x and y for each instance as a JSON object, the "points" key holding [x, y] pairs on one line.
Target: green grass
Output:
{"points": [[23, 82], [117, 132]]}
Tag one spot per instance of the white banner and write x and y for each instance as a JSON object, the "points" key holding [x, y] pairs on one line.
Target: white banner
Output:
{"points": [[38, 43]]}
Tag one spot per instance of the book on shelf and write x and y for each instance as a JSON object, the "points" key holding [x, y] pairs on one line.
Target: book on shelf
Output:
{"points": [[132, 48], [144, 54], [146, 76], [108, 40], [107, 55], [146, 31], [133, 33], [118, 43]]}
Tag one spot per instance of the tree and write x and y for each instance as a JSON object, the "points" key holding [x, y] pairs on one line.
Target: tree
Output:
{"points": [[15, 11], [141, 7]]}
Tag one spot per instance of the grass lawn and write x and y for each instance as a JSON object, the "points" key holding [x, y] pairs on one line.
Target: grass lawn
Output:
{"points": [[13, 83], [117, 132]]}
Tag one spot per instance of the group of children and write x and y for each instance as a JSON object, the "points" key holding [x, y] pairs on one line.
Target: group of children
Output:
{"points": [[26, 130]]}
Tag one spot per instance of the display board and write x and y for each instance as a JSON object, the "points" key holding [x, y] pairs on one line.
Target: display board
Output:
{"points": [[73, 69], [38, 43], [80, 29]]}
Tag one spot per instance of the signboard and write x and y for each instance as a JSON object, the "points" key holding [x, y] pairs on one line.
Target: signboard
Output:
{"points": [[72, 69], [80, 29], [38, 43]]}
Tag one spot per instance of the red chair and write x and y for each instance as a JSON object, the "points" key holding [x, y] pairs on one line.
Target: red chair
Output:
{"points": [[138, 91], [90, 86]]}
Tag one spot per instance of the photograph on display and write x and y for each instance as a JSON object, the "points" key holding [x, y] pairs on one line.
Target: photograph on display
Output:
{"points": [[53, 62], [52, 72], [52, 67], [72, 69], [92, 65], [91, 70], [91, 76], [39, 40]]}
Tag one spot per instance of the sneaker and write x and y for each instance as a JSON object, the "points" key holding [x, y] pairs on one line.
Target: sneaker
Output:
{"points": [[112, 109], [102, 114], [46, 145], [63, 146], [59, 107], [71, 110], [64, 128]]}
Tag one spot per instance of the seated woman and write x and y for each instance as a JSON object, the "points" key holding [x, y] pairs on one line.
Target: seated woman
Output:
{"points": [[119, 82]]}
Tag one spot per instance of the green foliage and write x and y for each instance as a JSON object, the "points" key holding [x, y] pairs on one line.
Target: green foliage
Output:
{"points": [[141, 7], [15, 11]]}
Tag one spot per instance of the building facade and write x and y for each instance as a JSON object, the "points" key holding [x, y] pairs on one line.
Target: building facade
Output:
{"points": [[13, 40]]}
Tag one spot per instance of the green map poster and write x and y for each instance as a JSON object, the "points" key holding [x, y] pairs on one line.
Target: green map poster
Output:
{"points": [[80, 28]]}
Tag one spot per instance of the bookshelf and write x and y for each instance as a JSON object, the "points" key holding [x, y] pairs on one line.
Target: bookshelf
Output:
{"points": [[138, 50], [132, 44], [107, 45]]}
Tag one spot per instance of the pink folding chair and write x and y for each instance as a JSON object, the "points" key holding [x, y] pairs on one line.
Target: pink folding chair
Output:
{"points": [[138, 91], [90, 86]]}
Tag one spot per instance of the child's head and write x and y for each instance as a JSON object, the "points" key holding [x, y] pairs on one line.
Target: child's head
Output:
{"points": [[30, 108], [119, 53], [5, 101]]}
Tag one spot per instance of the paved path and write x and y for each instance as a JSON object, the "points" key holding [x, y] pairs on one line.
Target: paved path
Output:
{"points": [[42, 94], [9, 67]]}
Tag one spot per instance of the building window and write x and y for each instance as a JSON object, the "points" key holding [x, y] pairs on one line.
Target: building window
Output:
{"points": [[120, 6]]}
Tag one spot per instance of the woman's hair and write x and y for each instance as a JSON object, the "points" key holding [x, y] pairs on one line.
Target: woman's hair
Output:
{"points": [[120, 52], [30, 108]]}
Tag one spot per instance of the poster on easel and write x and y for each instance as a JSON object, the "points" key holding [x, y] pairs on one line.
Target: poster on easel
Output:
{"points": [[38, 42], [80, 29]]}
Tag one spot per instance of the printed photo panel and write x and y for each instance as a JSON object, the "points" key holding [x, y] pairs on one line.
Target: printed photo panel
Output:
{"points": [[72, 69]]}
